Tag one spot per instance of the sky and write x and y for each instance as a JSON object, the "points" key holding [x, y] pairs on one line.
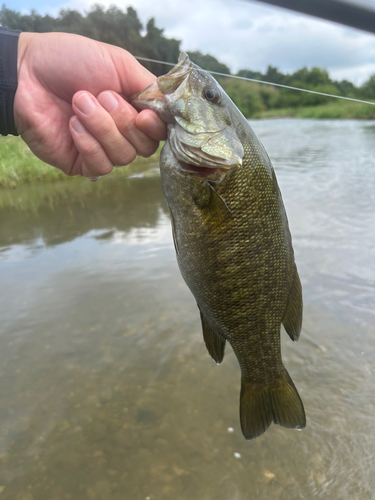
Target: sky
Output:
{"points": [[246, 34]]}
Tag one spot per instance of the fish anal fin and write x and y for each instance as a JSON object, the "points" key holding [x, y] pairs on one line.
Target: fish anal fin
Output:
{"points": [[215, 343], [260, 406], [292, 319]]}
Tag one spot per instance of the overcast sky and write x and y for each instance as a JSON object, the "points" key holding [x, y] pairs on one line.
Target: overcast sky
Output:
{"points": [[247, 34]]}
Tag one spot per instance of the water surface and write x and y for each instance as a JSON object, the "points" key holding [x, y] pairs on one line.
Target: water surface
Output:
{"points": [[107, 391]]}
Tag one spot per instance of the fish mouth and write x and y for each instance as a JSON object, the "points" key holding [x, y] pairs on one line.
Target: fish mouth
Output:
{"points": [[147, 95], [204, 144], [157, 95], [165, 84]]}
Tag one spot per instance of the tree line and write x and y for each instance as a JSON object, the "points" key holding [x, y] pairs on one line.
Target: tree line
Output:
{"points": [[124, 29]]}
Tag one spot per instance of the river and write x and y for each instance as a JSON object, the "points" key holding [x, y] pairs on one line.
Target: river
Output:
{"points": [[107, 391]]}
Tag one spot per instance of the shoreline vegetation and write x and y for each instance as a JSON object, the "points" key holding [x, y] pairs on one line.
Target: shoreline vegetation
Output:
{"points": [[123, 28], [335, 110], [18, 166]]}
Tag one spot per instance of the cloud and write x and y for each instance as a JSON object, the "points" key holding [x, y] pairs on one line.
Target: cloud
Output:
{"points": [[245, 34]]}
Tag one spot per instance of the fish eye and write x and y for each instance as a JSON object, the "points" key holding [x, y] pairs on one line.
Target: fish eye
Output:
{"points": [[211, 94]]}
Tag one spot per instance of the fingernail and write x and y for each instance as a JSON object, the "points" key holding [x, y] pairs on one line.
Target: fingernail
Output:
{"points": [[108, 101], [85, 104], [92, 178], [77, 125]]}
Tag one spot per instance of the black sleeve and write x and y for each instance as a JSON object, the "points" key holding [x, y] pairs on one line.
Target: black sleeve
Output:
{"points": [[8, 79]]}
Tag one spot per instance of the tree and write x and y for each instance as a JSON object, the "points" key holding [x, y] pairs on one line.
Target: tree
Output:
{"points": [[123, 28], [368, 88], [111, 25], [156, 46], [26, 22], [346, 88], [273, 75], [311, 77], [248, 73], [207, 62]]}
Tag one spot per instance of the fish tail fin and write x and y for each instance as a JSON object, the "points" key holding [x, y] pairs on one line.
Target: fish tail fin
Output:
{"points": [[260, 406]]}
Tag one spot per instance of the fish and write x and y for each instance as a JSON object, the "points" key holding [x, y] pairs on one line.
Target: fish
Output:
{"points": [[232, 238]]}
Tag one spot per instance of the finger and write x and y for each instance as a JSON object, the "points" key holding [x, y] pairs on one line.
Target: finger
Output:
{"points": [[148, 121], [101, 126], [94, 161], [124, 116]]}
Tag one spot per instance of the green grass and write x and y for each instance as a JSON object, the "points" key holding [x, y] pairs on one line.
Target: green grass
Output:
{"points": [[336, 110], [18, 165]]}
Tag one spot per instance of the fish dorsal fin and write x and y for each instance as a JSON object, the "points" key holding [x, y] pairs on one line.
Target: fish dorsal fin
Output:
{"points": [[215, 343], [292, 319]]}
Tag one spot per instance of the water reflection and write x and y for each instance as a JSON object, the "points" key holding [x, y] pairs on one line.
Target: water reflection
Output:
{"points": [[107, 391], [65, 211]]}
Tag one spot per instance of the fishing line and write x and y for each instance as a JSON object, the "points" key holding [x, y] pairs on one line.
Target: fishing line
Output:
{"points": [[265, 83]]}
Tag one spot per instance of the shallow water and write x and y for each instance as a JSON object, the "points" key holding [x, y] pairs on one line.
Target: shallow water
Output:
{"points": [[107, 391]]}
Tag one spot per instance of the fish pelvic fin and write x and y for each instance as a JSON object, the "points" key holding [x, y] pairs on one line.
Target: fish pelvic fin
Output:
{"points": [[215, 343], [260, 406], [292, 319]]}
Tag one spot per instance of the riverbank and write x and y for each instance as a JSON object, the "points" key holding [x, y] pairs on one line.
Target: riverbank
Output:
{"points": [[18, 165], [337, 110]]}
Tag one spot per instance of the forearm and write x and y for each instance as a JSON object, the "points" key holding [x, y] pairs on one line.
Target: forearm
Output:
{"points": [[8, 79]]}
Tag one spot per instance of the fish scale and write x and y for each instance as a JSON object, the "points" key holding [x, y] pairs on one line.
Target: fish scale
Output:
{"points": [[233, 243]]}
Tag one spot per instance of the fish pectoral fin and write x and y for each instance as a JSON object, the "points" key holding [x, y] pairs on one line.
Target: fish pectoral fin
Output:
{"points": [[215, 343], [260, 406], [292, 319], [218, 206]]}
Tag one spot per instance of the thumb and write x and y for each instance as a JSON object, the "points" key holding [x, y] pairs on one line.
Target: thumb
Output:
{"points": [[133, 76]]}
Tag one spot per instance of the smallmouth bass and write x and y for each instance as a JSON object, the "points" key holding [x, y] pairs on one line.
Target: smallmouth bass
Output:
{"points": [[232, 238]]}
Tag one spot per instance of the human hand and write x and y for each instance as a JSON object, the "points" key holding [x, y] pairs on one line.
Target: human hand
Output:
{"points": [[69, 108]]}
